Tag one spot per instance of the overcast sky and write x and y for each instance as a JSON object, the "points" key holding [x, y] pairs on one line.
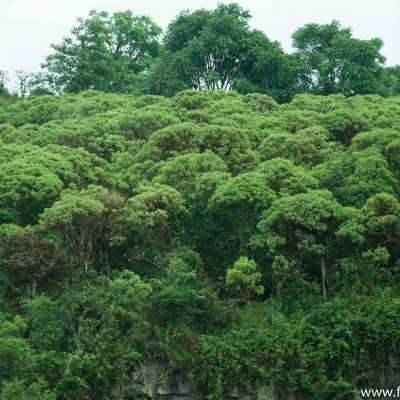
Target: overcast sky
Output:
{"points": [[28, 27]]}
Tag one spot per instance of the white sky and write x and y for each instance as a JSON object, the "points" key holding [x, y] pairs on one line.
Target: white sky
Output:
{"points": [[28, 27]]}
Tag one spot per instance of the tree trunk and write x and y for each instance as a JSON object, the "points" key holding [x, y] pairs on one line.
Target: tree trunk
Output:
{"points": [[323, 273]]}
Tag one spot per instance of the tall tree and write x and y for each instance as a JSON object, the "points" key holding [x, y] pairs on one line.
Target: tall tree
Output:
{"points": [[22, 82], [210, 50], [104, 52], [332, 61]]}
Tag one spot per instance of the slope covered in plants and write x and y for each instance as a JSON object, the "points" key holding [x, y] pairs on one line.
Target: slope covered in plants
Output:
{"points": [[233, 239]]}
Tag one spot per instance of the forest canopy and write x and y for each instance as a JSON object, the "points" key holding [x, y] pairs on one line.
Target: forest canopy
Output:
{"points": [[137, 228]]}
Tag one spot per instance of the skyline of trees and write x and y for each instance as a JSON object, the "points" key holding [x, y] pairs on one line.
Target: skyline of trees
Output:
{"points": [[208, 50]]}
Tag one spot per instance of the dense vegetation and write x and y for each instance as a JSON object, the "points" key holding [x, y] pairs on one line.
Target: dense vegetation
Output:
{"points": [[208, 50], [225, 235], [201, 200]]}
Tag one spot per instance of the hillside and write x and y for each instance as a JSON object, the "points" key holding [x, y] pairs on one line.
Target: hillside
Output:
{"points": [[208, 244]]}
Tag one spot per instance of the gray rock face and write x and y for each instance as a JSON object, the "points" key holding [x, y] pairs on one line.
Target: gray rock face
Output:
{"points": [[156, 381]]}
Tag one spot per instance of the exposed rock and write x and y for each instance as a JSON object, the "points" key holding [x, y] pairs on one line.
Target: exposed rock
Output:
{"points": [[157, 381], [266, 393]]}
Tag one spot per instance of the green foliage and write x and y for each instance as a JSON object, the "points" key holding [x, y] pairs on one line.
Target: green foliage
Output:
{"points": [[87, 219], [17, 390], [103, 52], [211, 50], [26, 189], [248, 248], [244, 278], [181, 297], [332, 61], [106, 316], [205, 50], [238, 243]]}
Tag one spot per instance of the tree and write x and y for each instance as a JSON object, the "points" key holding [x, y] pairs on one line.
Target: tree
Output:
{"points": [[182, 171], [344, 124], [232, 145], [26, 190], [306, 147], [208, 45], [30, 259], [176, 139], [382, 222], [301, 232], [332, 61], [210, 50], [23, 82], [180, 296], [371, 175], [103, 52], [17, 357], [244, 279], [266, 68], [285, 178], [237, 205], [150, 220], [108, 314], [87, 219]]}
